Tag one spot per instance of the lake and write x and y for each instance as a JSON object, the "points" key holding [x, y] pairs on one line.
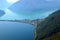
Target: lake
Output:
{"points": [[16, 31]]}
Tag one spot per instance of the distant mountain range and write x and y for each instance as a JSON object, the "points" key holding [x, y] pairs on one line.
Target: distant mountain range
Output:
{"points": [[49, 29], [33, 22]]}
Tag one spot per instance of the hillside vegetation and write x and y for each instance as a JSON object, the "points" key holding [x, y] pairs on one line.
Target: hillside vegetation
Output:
{"points": [[49, 29]]}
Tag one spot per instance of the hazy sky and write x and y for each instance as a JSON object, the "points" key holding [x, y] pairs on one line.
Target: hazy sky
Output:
{"points": [[32, 4], [28, 9], [4, 4], [37, 4]]}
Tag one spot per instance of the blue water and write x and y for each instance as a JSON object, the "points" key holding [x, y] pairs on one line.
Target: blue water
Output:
{"points": [[16, 31]]}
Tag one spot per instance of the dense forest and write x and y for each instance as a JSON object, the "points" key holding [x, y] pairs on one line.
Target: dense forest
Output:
{"points": [[49, 28]]}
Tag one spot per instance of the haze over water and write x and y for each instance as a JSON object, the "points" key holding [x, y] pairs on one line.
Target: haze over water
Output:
{"points": [[16, 31]]}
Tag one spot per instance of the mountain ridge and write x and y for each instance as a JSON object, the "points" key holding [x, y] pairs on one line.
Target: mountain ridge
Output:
{"points": [[49, 27]]}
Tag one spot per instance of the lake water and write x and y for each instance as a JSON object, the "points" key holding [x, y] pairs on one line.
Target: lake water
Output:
{"points": [[16, 31]]}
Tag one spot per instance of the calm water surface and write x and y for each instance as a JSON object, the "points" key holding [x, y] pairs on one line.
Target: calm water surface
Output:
{"points": [[16, 31]]}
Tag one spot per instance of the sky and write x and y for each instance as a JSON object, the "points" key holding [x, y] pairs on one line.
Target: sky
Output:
{"points": [[28, 9], [37, 4]]}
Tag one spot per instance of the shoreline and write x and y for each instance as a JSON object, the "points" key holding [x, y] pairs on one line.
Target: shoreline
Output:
{"points": [[35, 25]]}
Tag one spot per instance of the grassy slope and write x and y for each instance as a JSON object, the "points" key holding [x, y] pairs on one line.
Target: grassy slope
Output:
{"points": [[54, 37], [49, 28]]}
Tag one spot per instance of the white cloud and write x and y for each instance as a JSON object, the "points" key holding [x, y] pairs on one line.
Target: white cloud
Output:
{"points": [[12, 1]]}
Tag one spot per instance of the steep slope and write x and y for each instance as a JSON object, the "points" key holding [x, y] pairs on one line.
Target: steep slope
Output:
{"points": [[49, 29]]}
